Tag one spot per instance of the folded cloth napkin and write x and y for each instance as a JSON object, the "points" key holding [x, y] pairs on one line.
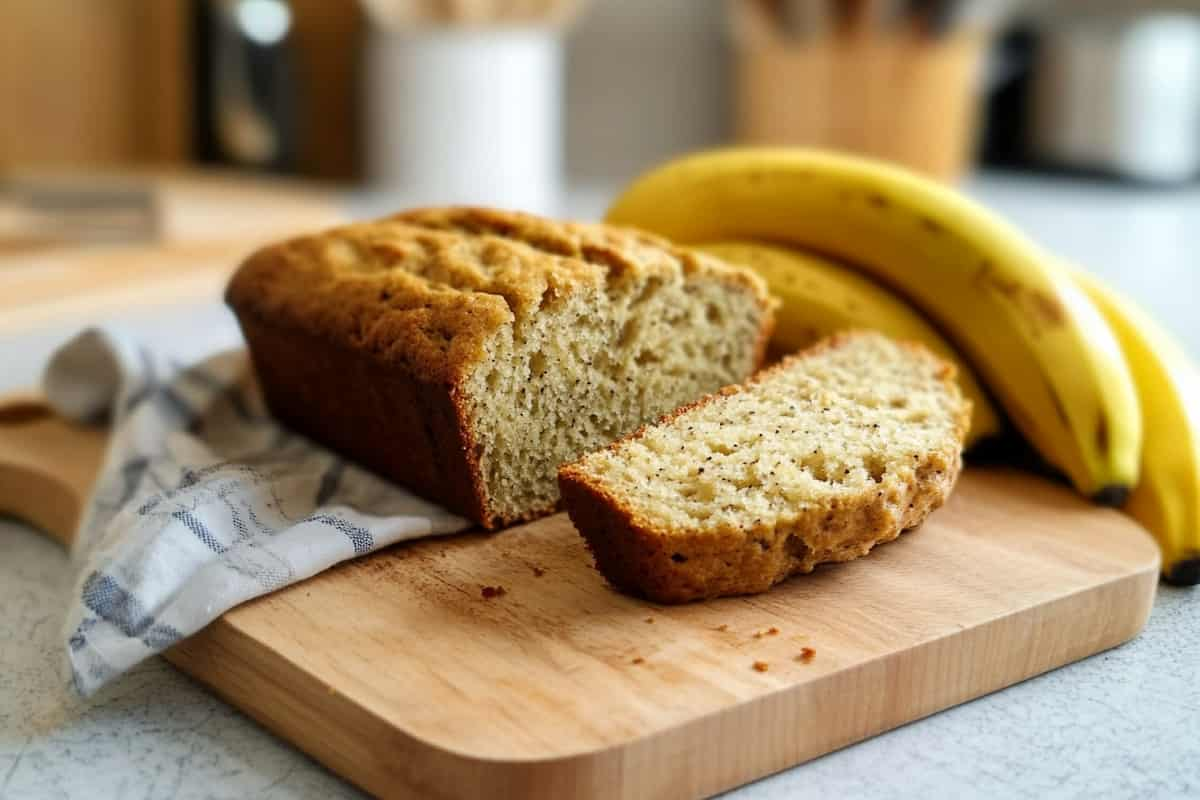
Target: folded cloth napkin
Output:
{"points": [[203, 501]]}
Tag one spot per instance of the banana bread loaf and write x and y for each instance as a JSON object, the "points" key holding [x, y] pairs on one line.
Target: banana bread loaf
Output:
{"points": [[467, 353], [816, 459]]}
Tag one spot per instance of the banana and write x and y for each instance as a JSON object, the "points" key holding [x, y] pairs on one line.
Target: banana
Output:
{"points": [[820, 297], [1166, 499], [1040, 345]]}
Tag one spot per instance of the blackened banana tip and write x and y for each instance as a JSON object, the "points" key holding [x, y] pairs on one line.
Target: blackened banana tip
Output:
{"points": [[1183, 573], [1113, 496]]}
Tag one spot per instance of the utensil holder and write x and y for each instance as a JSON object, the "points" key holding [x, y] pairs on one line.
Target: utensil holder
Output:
{"points": [[897, 96]]}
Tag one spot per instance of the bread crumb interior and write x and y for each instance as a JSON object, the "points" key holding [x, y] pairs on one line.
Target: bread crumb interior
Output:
{"points": [[592, 365], [821, 428]]}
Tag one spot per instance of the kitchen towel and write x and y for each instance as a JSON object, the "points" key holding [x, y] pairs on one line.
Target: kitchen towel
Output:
{"points": [[203, 501]]}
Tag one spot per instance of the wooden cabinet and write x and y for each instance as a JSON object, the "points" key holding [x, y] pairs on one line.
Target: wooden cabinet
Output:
{"points": [[94, 83], [112, 83]]}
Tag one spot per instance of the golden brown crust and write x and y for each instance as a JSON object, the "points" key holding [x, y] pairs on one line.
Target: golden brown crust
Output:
{"points": [[410, 431], [422, 290], [731, 561], [363, 335], [676, 567]]}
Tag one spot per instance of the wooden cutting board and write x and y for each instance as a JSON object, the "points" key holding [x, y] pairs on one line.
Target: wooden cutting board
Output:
{"points": [[397, 673]]}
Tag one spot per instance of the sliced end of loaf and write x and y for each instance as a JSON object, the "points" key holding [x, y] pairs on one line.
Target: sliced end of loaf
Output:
{"points": [[815, 460], [593, 365], [487, 347]]}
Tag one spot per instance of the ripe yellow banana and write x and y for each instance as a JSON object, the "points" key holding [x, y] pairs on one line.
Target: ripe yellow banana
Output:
{"points": [[1166, 499], [820, 297], [1040, 345]]}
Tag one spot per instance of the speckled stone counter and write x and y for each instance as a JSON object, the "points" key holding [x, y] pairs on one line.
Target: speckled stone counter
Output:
{"points": [[1122, 724]]}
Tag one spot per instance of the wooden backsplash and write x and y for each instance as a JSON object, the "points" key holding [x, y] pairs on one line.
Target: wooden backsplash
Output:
{"points": [[109, 83], [327, 35], [93, 82]]}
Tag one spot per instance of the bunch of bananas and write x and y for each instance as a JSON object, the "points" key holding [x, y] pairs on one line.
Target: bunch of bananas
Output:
{"points": [[1096, 387]]}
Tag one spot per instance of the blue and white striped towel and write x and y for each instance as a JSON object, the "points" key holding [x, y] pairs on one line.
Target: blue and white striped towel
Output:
{"points": [[203, 501]]}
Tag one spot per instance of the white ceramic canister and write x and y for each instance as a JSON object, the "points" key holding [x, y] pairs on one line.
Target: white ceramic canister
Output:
{"points": [[1119, 94], [466, 115]]}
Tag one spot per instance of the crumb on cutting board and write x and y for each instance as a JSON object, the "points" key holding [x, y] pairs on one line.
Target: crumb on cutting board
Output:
{"points": [[638, 660], [806, 655], [649, 620], [722, 628], [538, 572], [490, 592], [761, 666], [771, 631]]}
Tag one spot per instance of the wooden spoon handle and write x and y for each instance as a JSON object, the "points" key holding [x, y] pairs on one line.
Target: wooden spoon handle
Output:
{"points": [[47, 465]]}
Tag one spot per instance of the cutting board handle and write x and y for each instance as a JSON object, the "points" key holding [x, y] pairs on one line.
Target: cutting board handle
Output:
{"points": [[47, 465]]}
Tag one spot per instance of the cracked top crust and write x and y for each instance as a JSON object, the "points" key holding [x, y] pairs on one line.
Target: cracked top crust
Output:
{"points": [[422, 290]]}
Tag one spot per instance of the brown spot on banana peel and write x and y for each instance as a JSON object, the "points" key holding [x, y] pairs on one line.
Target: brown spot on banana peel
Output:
{"points": [[1113, 495], [1059, 408], [1048, 307], [1102, 434], [1006, 287], [878, 201], [932, 226], [1040, 306]]}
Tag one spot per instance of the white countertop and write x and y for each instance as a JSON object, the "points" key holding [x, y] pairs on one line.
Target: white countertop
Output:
{"points": [[1125, 723]]}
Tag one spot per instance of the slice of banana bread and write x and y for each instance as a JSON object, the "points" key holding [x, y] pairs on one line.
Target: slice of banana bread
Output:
{"points": [[467, 353], [816, 459]]}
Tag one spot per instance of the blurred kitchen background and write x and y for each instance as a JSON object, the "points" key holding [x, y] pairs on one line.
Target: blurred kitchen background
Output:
{"points": [[146, 144]]}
